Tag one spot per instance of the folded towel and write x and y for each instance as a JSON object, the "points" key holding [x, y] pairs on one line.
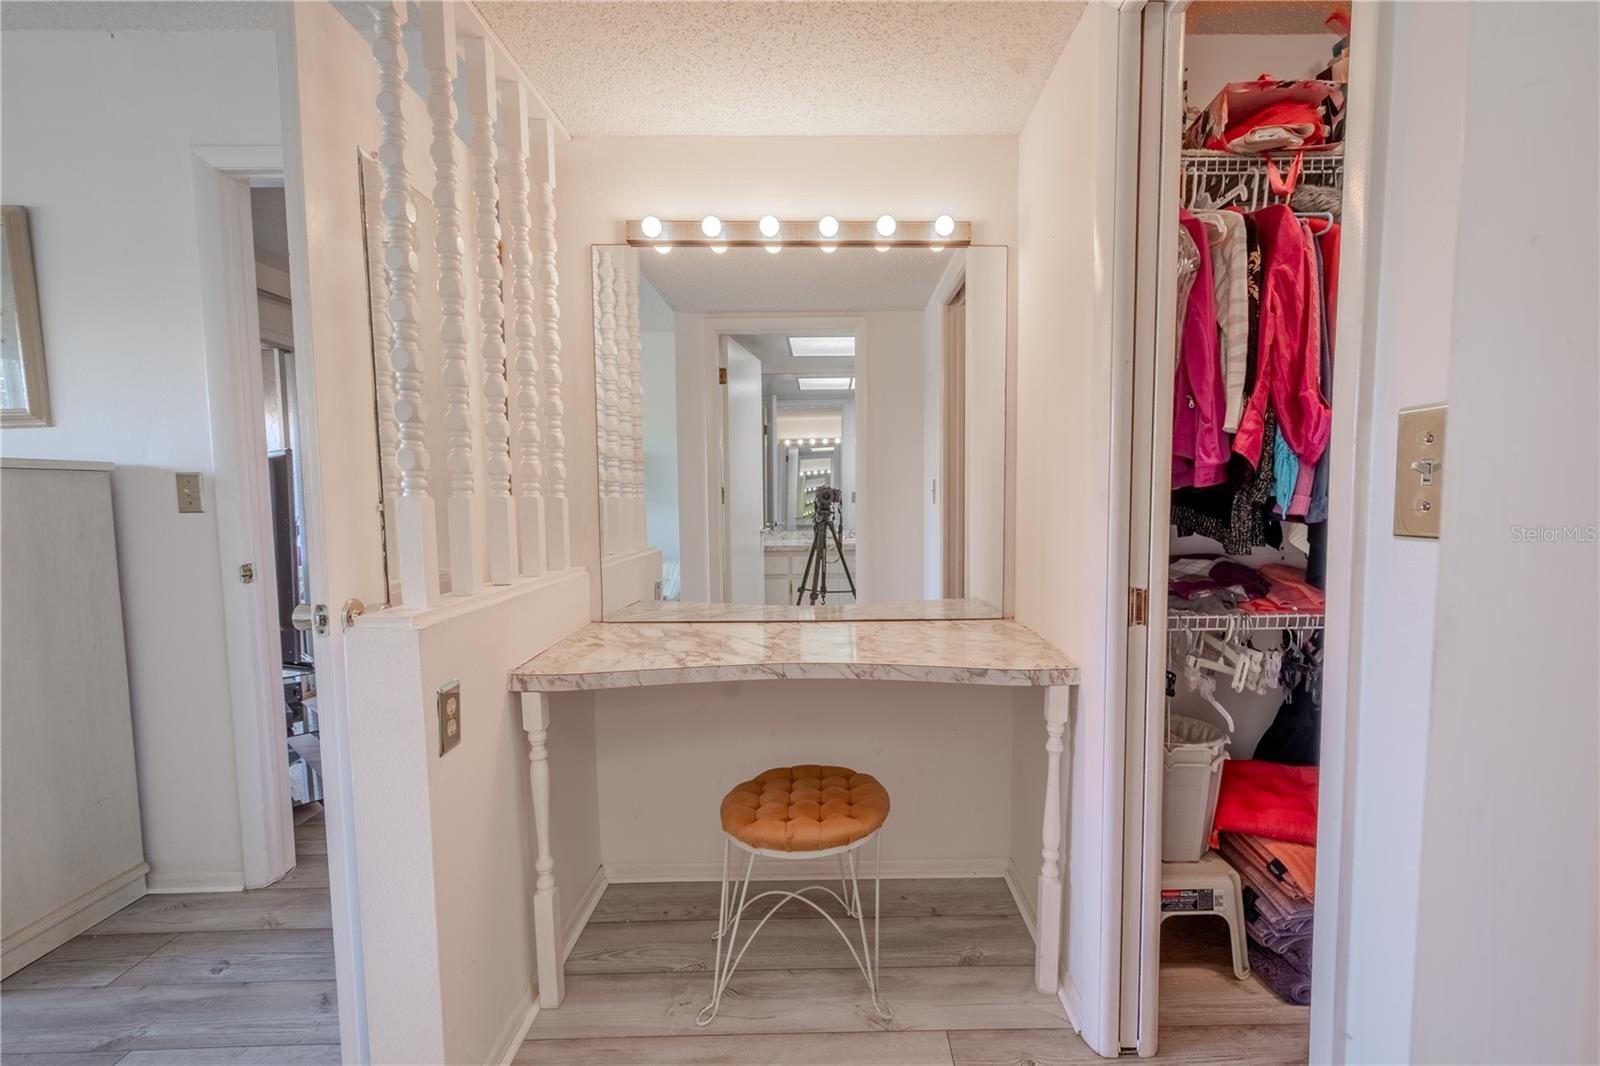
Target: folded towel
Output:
{"points": [[1268, 799], [1289, 982], [1293, 865]]}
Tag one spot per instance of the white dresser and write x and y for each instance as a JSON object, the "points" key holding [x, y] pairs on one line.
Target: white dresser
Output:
{"points": [[72, 850]]}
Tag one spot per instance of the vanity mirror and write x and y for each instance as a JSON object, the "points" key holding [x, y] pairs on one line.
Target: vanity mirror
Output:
{"points": [[800, 432]]}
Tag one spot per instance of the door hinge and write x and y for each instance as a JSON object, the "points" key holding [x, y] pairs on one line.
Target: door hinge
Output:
{"points": [[1138, 606], [722, 375], [247, 573]]}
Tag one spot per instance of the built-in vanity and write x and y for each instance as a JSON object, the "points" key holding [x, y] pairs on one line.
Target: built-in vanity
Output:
{"points": [[619, 655]]}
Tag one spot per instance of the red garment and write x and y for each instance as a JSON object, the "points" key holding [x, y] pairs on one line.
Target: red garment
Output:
{"points": [[1328, 241], [1287, 125], [1289, 346], [1268, 799], [1199, 395]]}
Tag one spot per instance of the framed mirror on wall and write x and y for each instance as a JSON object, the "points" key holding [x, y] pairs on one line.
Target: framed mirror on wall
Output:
{"points": [[800, 432], [24, 387]]}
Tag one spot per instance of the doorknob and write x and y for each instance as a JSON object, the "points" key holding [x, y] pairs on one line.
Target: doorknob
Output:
{"points": [[352, 609], [308, 616]]}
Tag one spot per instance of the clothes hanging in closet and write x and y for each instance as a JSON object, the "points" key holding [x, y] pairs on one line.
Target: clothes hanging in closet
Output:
{"points": [[1252, 377]]}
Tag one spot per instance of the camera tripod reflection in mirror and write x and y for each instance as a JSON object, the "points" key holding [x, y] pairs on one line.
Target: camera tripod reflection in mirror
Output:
{"points": [[827, 518]]}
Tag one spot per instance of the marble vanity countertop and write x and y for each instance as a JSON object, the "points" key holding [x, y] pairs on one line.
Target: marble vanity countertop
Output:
{"points": [[901, 611], [604, 655], [799, 540]]}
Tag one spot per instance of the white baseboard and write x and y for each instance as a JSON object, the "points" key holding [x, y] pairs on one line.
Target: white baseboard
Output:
{"points": [[625, 873], [522, 1017], [1072, 1001], [49, 931], [580, 913], [1014, 883], [515, 1031], [196, 881]]}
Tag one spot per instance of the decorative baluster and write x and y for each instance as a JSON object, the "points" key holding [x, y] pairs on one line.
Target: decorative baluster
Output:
{"points": [[636, 362], [524, 332], [500, 513], [418, 535], [439, 55], [542, 171], [624, 412], [1047, 956], [611, 456], [383, 378]]}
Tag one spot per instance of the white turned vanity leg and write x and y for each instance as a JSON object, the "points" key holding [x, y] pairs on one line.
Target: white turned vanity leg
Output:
{"points": [[1047, 958], [546, 905]]}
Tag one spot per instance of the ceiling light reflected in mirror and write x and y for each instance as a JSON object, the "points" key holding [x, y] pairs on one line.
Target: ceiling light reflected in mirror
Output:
{"points": [[820, 384], [822, 347]]}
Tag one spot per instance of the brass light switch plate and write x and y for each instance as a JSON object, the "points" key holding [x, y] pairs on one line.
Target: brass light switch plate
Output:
{"points": [[449, 716], [189, 498], [1419, 472]]}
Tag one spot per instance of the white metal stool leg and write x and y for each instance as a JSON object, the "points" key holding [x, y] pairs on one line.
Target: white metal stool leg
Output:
{"points": [[733, 905]]}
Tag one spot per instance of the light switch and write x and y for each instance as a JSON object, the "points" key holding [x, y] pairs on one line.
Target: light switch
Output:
{"points": [[1419, 471], [189, 501], [449, 698]]}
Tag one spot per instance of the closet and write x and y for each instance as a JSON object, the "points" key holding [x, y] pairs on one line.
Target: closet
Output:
{"points": [[1250, 340]]}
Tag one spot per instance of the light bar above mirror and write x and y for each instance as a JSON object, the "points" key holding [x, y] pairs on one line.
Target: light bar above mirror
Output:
{"points": [[774, 233]]}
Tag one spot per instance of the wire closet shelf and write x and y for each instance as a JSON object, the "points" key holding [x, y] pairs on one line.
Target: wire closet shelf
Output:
{"points": [[1243, 621], [1224, 179]]}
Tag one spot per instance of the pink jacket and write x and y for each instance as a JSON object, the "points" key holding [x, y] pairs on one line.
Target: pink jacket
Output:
{"points": [[1199, 395], [1288, 360]]}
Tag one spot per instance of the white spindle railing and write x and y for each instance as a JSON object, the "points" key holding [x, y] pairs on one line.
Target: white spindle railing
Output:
{"points": [[636, 363], [625, 396], [609, 427], [419, 550], [542, 171], [439, 55], [529, 532], [524, 331], [500, 514]]}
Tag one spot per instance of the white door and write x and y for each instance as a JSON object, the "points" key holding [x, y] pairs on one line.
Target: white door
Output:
{"points": [[746, 576], [327, 86]]}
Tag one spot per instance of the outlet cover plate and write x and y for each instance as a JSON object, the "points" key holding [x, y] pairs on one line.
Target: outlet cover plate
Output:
{"points": [[189, 499], [449, 701]]}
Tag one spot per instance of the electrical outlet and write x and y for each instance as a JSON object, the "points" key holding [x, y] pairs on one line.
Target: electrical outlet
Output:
{"points": [[189, 501], [449, 699]]}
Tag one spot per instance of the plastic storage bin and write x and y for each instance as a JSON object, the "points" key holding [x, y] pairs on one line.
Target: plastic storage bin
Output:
{"points": [[1193, 760]]}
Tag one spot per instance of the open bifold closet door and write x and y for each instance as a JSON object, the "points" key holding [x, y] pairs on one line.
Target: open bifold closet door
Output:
{"points": [[1154, 340]]}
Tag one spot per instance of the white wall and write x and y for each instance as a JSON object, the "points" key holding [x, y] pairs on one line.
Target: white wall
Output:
{"points": [[446, 841], [604, 182], [1211, 61], [888, 463], [1412, 241], [1507, 966], [1065, 190], [917, 739], [98, 136]]}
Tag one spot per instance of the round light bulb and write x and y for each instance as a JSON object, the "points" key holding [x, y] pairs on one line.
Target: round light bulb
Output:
{"points": [[663, 248], [886, 225], [650, 227], [828, 226], [718, 249], [828, 248], [881, 247], [935, 247], [774, 248], [944, 225], [769, 225], [711, 225]]}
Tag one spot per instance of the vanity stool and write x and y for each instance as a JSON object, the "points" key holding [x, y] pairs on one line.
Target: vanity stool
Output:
{"points": [[800, 812]]}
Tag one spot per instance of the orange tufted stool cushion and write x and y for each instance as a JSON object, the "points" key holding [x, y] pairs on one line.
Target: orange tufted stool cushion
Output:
{"points": [[804, 808]]}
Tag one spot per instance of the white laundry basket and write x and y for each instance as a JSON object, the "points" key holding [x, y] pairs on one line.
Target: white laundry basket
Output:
{"points": [[1193, 759]]}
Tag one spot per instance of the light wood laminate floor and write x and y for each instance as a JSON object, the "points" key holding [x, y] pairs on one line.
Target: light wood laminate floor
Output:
{"points": [[238, 978], [957, 969], [246, 979]]}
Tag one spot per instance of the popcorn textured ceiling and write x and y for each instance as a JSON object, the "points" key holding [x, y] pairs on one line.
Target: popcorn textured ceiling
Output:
{"points": [[622, 69]]}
